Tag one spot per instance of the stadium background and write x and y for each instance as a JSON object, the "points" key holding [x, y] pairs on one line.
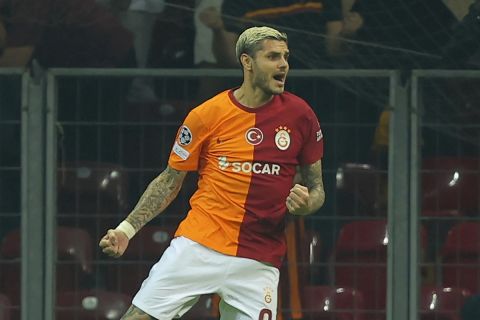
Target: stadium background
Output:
{"points": [[398, 237]]}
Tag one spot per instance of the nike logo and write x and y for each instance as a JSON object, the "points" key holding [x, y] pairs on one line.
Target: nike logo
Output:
{"points": [[222, 140]]}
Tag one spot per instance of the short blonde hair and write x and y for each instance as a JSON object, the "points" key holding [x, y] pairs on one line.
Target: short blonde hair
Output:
{"points": [[250, 40]]}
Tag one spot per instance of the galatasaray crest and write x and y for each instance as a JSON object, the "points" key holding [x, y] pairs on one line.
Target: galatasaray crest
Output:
{"points": [[282, 138], [268, 294]]}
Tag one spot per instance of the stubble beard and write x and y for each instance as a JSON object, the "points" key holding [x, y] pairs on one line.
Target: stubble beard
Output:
{"points": [[263, 82]]}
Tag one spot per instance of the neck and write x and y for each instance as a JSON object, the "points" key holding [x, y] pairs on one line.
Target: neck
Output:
{"points": [[250, 96]]}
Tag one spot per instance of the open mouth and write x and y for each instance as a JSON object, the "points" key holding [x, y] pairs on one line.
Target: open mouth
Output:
{"points": [[279, 77]]}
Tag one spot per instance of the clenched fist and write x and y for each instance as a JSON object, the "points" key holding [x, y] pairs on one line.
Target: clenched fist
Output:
{"points": [[298, 200], [114, 243]]}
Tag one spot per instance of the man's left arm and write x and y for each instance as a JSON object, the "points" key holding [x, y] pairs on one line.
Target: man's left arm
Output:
{"points": [[308, 197]]}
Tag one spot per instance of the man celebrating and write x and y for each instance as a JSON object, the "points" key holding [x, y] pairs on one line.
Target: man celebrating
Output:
{"points": [[246, 144]]}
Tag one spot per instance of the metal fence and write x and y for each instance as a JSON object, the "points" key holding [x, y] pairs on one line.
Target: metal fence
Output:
{"points": [[89, 151]]}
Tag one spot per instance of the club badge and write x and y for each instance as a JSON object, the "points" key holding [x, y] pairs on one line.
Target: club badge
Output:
{"points": [[282, 138], [268, 294]]}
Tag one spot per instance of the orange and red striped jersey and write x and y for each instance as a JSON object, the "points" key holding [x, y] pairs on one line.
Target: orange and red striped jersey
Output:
{"points": [[246, 159]]}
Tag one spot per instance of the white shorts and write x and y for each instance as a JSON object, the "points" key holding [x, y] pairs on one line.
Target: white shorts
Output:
{"points": [[248, 288]]}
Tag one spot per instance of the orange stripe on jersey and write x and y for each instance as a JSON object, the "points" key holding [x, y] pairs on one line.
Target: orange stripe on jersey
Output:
{"points": [[218, 205], [277, 11]]}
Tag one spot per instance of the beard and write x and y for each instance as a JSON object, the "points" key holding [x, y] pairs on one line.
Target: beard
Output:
{"points": [[263, 81]]}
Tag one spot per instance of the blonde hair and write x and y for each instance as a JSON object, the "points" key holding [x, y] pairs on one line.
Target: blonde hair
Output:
{"points": [[250, 40]]}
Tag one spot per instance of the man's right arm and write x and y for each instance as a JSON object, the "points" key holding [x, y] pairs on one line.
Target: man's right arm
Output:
{"points": [[158, 195]]}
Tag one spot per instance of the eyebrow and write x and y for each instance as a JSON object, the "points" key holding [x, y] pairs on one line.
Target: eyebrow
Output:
{"points": [[278, 52]]}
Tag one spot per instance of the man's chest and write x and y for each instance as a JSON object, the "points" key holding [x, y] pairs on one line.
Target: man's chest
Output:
{"points": [[272, 140]]}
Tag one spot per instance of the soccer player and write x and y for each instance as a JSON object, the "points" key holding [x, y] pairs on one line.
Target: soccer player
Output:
{"points": [[246, 144]]}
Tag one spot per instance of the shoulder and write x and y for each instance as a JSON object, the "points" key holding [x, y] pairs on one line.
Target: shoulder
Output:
{"points": [[212, 104], [300, 110], [294, 101], [212, 108]]}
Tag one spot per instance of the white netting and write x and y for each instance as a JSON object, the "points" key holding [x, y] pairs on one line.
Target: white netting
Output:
{"points": [[364, 33], [407, 34]]}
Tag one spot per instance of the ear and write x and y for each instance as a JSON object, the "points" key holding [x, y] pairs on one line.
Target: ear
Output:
{"points": [[246, 61]]}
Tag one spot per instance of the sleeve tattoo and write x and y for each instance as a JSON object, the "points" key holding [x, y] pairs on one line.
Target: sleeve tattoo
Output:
{"points": [[312, 179], [158, 195]]}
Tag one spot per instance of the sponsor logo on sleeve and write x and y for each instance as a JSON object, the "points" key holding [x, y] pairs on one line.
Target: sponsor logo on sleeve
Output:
{"points": [[319, 135], [185, 136], [181, 152]]}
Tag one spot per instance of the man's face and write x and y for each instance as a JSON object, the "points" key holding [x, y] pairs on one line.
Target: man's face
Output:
{"points": [[270, 66]]}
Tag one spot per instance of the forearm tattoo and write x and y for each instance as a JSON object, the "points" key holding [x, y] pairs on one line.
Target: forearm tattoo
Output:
{"points": [[158, 195], [312, 179]]}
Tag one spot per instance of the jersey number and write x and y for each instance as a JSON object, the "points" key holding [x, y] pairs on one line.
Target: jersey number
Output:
{"points": [[265, 314]]}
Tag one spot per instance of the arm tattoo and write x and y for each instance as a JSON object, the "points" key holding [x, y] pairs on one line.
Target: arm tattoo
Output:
{"points": [[312, 178], [158, 195]]}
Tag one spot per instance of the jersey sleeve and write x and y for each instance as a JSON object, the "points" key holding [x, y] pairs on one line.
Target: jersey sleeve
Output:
{"points": [[188, 143], [312, 149]]}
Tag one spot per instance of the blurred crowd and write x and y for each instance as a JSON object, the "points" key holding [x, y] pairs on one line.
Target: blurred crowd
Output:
{"points": [[187, 33], [202, 33]]}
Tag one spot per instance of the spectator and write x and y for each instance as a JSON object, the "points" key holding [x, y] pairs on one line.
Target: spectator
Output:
{"points": [[174, 35], [63, 33], [464, 42], [459, 8], [381, 140], [140, 19], [207, 18], [316, 24], [71, 33], [418, 29]]}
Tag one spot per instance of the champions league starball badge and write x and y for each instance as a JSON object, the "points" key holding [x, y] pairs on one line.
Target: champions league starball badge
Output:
{"points": [[185, 136]]}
